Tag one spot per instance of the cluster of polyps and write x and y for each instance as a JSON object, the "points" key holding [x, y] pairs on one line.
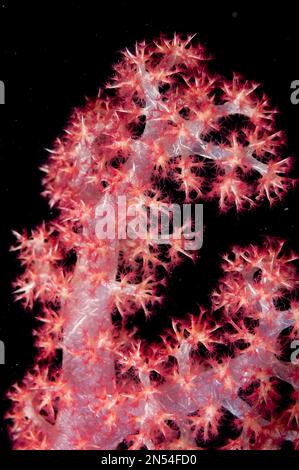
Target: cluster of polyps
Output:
{"points": [[216, 378]]}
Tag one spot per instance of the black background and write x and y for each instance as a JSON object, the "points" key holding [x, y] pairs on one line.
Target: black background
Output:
{"points": [[52, 56]]}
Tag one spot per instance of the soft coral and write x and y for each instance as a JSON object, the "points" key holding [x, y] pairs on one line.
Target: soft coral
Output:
{"points": [[158, 124]]}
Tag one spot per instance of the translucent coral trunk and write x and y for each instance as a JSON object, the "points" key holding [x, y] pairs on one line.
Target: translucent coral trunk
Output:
{"points": [[158, 134]]}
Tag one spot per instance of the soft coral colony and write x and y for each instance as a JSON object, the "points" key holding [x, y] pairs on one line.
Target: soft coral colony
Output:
{"points": [[215, 378]]}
